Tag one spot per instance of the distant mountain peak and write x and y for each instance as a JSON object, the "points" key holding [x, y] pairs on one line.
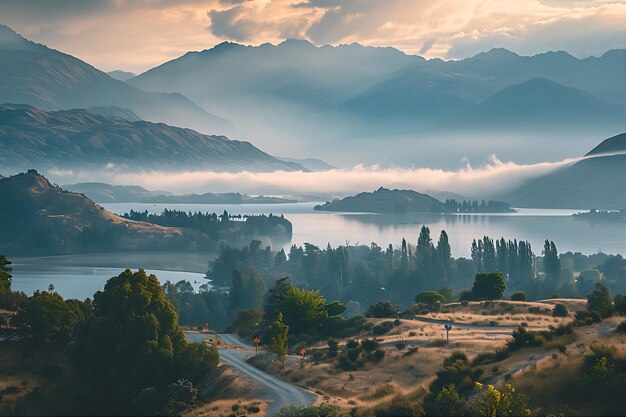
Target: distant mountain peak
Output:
{"points": [[615, 144], [121, 75], [11, 40], [296, 42]]}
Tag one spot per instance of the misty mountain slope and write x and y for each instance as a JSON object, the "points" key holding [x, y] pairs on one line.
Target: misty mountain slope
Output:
{"points": [[230, 69], [615, 144], [540, 104], [66, 139], [596, 181], [33, 74], [38, 218], [107, 193], [453, 86], [112, 111]]}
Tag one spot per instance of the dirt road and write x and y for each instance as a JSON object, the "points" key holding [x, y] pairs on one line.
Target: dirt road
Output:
{"points": [[279, 392]]}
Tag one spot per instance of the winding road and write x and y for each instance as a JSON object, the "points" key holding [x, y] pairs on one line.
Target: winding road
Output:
{"points": [[279, 392]]}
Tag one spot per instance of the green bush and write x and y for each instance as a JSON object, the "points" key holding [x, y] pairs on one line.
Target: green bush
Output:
{"points": [[523, 338], [369, 345], [457, 355], [518, 296], [382, 328], [490, 357], [560, 311], [382, 310]]}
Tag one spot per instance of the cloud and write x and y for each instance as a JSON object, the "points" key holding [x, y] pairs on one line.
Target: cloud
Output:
{"points": [[487, 180], [136, 35], [231, 24]]}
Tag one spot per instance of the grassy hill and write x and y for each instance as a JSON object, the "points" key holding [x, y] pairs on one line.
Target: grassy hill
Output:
{"points": [[39, 218]]}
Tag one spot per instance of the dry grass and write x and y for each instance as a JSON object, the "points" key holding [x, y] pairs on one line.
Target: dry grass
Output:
{"points": [[537, 315], [225, 408], [547, 383]]}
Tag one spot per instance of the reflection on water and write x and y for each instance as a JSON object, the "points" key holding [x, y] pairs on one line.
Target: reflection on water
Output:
{"points": [[320, 228]]}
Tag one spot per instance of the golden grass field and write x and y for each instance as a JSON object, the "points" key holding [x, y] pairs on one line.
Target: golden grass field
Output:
{"points": [[485, 328]]}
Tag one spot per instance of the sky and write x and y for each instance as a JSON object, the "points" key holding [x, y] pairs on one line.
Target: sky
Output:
{"points": [[136, 35]]}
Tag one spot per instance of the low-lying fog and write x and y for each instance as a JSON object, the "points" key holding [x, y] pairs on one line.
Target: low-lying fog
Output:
{"points": [[483, 181]]}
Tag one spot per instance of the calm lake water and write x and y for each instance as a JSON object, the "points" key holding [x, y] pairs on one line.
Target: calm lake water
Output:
{"points": [[80, 276], [320, 228]]}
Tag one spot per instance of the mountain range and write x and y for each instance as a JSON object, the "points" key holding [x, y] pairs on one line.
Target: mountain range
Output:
{"points": [[107, 193], [79, 139], [352, 93], [36, 75]]}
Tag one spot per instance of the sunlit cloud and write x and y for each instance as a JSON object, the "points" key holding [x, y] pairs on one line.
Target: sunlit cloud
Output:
{"points": [[136, 35], [484, 181]]}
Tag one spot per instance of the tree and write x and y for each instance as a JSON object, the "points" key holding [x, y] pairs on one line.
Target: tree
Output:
{"points": [[599, 301], [620, 304], [488, 286], [303, 310], [47, 317], [447, 294], [552, 267], [247, 290], [335, 308], [518, 296], [448, 402], [5, 274], [382, 310], [587, 279], [279, 331], [133, 341], [429, 298], [506, 402]]}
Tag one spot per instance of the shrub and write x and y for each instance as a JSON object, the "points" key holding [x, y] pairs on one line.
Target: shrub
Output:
{"points": [[378, 355], [332, 348], [560, 311], [518, 296], [382, 310], [457, 355], [563, 329], [400, 406], [490, 357], [599, 301], [437, 343], [429, 298], [400, 345], [523, 337], [382, 328], [622, 327], [369, 345]]}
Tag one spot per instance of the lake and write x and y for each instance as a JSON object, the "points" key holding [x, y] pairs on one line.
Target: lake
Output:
{"points": [[320, 228], [79, 276]]}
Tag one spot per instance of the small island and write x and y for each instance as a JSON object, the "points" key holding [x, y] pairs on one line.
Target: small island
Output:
{"points": [[385, 200], [602, 215]]}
